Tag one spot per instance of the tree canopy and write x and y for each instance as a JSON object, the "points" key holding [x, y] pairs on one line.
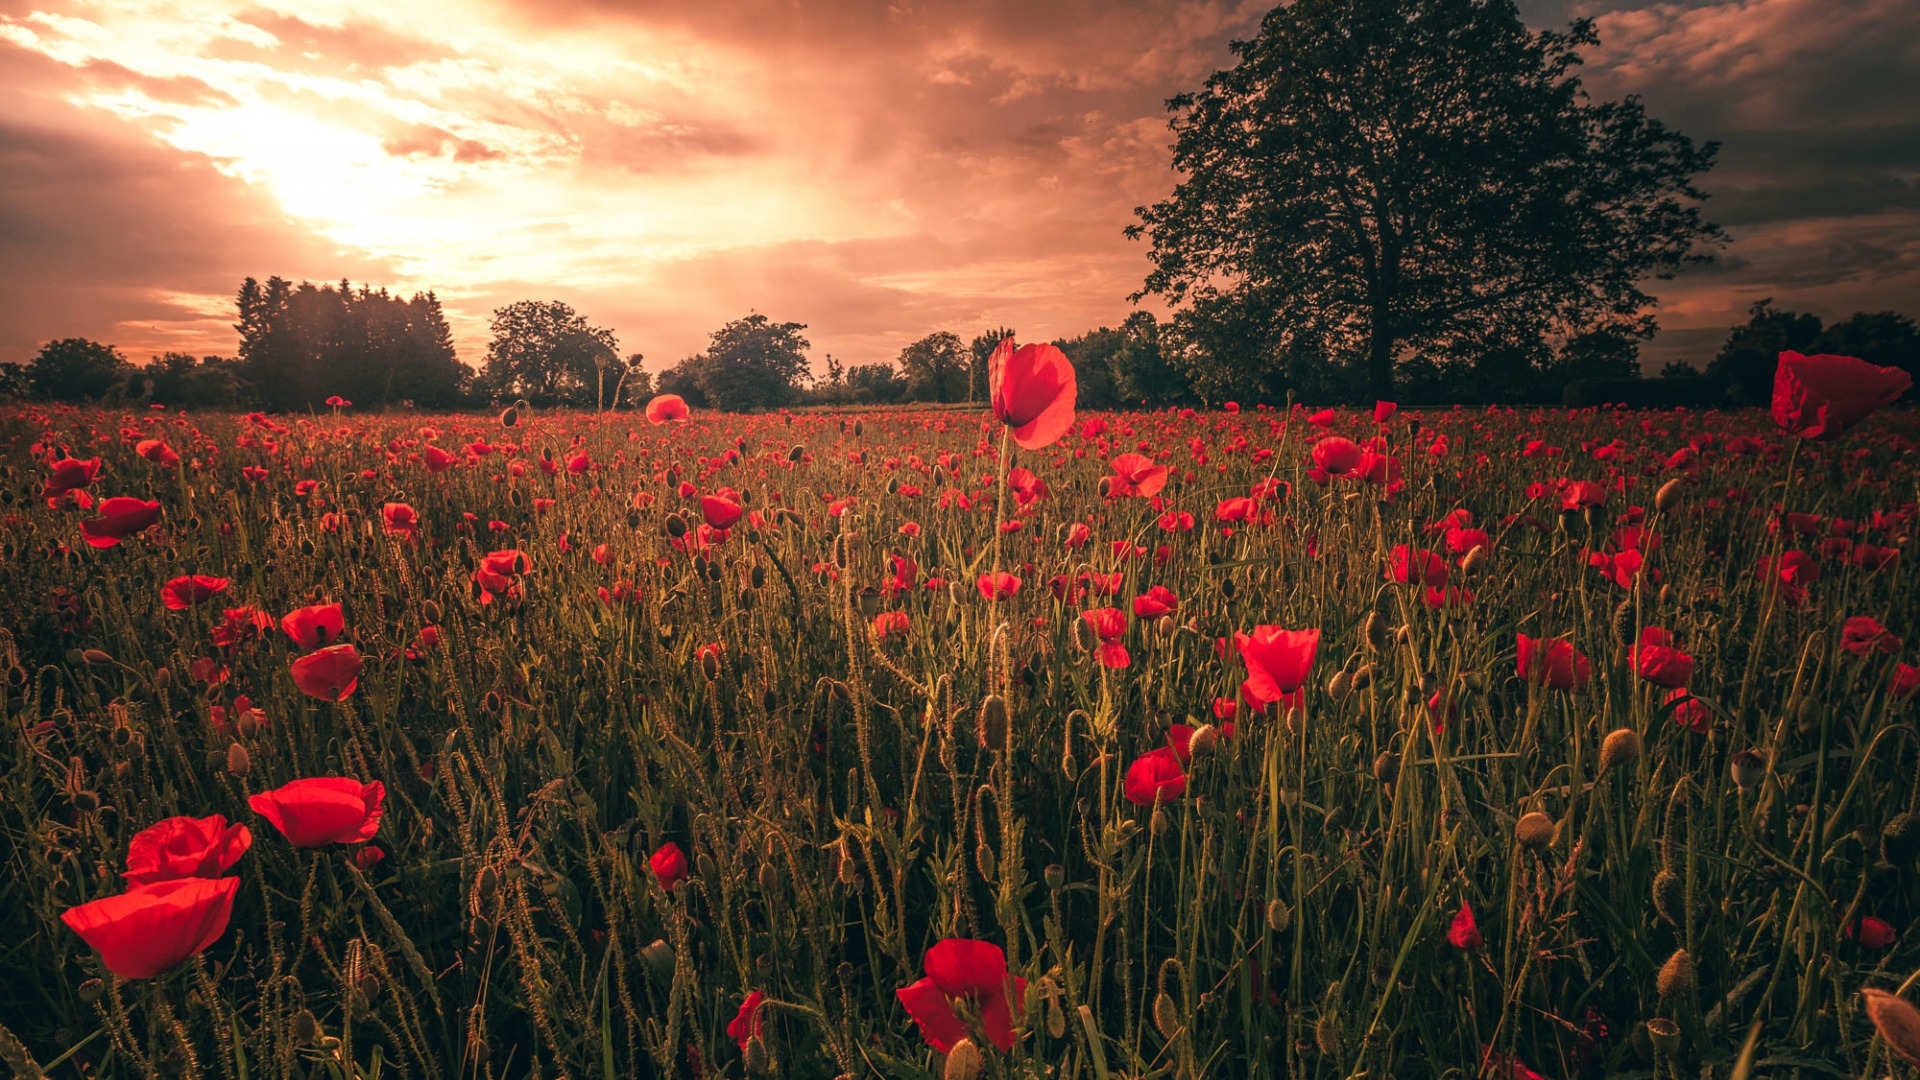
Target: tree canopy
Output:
{"points": [[300, 345], [937, 367], [750, 363], [1380, 177], [75, 369], [549, 354]]}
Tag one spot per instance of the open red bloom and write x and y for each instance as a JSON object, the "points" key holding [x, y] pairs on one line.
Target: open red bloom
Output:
{"points": [[1464, 932], [158, 452], [746, 1024], [1873, 932], [499, 573], [1820, 397], [323, 810], [1135, 474], [669, 865], [401, 519], [69, 473], [1689, 711], [329, 674], [120, 517], [998, 585], [315, 626], [1862, 634], [184, 592], [1556, 664], [1111, 625], [973, 971], [1278, 662], [665, 407], [1155, 777], [1792, 572], [1336, 455], [1156, 602], [1033, 389], [1408, 565], [184, 847], [148, 930], [1656, 659], [720, 511]]}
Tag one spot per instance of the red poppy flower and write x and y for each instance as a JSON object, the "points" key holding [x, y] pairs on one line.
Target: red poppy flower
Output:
{"points": [[1658, 661], [338, 402], [1556, 664], [1792, 572], [69, 473], [1861, 635], [400, 518], [158, 452], [1033, 391], [120, 517], [499, 573], [184, 847], [1873, 932], [1278, 662], [148, 930], [1110, 624], [323, 810], [1689, 711], [184, 592], [1906, 681], [669, 865], [315, 626], [1336, 455], [972, 971], [1383, 411], [1464, 932], [665, 407], [890, 623], [1135, 475], [1408, 565], [1155, 776], [720, 511], [746, 1024], [437, 460], [1157, 601], [329, 674], [1820, 397], [239, 625], [998, 585]]}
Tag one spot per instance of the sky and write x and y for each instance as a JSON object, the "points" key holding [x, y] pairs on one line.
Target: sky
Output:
{"points": [[875, 169]]}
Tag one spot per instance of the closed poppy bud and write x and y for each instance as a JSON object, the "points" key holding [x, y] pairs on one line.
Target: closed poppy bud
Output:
{"points": [[510, 416], [306, 1028], [430, 611], [1376, 631], [964, 1062], [162, 678], [1386, 767], [1055, 876], [96, 657], [659, 957], [1747, 767], [1279, 916], [1204, 740], [1676, 975], [1669, 494], [710, 665], [993, 723], [1670, 897], [1534, 830], [239, 762], [1620, 748], [1166, 1016], [1326, 1036]]}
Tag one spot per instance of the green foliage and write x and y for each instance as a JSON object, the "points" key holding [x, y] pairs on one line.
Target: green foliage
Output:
{"points": [[1378, 177], [300, 345], [751, 363], [75, 369], [937, 368], [545, 352], [878, 384]]}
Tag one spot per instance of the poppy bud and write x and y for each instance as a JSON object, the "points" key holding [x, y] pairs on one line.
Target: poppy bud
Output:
{"points": [[239, 762], [306, 1028], [659, 957], [1896, 1020], [758, 1061], [1676, 975], [757, 577], [768, 877], [1160, 822], [1166, 1016], [1900, 839], [1534, 830], [1665, 1035], [1363, 676], [1386, 767], [1056, 1019], [368, 986], [1621, 747], [1279, 916], [1165, 626], [676, 526], [510, 417], [1475, 559], [985, 860], [490, 702], [162, 678], [430, 611], [1340, 686], [796, 453], [1326, 1036], [993, 722], [1055, 875], [1204, 740], [91, 990], [1668, 496], [1376, 631], [1670, 897], [1810, 715], [963, 1062], [1228, 588], [96, 657], [1747, 768], [1623, 623], [86, 801]]}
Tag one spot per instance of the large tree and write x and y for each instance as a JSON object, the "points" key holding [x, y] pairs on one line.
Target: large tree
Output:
{"points": [[1387, 176], [75, 369], [546, 352], [750, 363], [937, 368], [300, 345]]}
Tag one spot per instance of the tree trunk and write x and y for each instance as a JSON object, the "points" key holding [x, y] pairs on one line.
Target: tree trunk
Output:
{"points": [[1380, 357]]}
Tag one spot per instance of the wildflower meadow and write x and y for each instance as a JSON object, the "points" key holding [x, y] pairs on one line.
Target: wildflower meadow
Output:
{"points": [[1003, 741]]}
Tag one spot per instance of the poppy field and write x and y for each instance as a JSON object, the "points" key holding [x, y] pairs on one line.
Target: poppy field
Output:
{"points": [[1273, 741]]}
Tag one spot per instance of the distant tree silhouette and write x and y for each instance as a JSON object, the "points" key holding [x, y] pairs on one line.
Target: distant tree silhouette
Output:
{"points": [[937, 368], [196, 382], [75, 369], [547, 353], [300, 345], [1746, 362], [14, 383], [750, 363], [1381, 177], [1886, 338], [877, 384]]}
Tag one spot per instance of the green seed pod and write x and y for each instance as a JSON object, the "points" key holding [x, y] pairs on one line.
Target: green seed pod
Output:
{"points": [[1056, 876], [1279, 916], [992, 723], [239, 762], [1534, 830], [1665, 1035], [1166, 1016], [1747, 767], [91, 990], [963, 1062], [676, 526], [1619, 749]]}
